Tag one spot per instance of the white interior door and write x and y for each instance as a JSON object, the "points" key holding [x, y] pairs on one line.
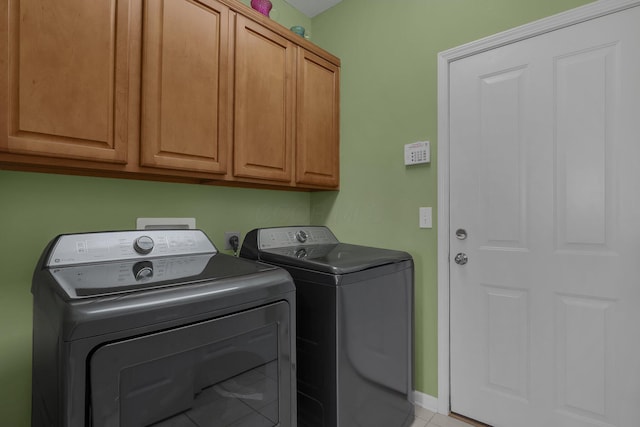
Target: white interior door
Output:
{"points": [[545, 180]]}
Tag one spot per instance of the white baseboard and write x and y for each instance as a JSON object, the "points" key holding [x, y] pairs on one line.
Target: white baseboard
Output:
{"points": [[426, 401]]}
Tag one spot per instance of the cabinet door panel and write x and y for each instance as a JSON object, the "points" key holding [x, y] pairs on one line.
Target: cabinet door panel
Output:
{"points": [[67, 79], [264, 98], [185, 88], [317, 121]]}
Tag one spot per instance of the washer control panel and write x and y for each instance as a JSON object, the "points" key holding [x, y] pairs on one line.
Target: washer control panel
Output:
{"points": [[74, 249], [284, 237], [87, 280]]}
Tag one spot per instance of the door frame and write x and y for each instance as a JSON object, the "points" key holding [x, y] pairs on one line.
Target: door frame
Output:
{"points": [[536, 28]]}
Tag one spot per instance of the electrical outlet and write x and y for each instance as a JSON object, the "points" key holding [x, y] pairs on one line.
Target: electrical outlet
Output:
{"points": [[228, 235]]}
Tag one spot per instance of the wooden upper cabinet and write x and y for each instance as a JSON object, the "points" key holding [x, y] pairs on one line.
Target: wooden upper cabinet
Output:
{"points": [[66, 80], [264, 103], [186, 88], [317, 121]]}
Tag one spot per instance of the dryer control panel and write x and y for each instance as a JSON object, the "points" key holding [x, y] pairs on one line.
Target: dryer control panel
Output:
{"points": [[74, 249], [285, 237]]}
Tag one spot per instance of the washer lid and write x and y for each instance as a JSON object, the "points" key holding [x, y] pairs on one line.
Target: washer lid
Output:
{"points": [[338, 258]]}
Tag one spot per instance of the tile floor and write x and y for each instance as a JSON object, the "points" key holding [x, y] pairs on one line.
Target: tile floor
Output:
{"points": [[425, 418]]}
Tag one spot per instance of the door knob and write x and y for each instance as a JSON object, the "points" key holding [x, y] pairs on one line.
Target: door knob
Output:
{"points": [[461, 259]]}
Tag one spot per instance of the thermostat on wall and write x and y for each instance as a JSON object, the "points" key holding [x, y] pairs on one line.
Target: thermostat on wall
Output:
{"points": [[416, 153]]}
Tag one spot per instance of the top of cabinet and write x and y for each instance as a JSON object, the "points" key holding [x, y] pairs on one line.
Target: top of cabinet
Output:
{"points": [[241, 8]]}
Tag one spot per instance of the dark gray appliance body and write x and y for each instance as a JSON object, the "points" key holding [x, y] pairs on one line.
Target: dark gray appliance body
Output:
{"points": [[354, 326], [160, 336]]}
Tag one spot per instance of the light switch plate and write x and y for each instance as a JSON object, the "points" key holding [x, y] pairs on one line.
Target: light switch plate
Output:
{"points": [[426, 219]]}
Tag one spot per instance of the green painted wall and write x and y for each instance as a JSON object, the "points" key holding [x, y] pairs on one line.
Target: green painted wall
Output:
{"points": [[389, 98]]}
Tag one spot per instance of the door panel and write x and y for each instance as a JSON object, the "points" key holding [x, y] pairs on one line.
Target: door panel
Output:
{"points": [[502, 176], [543, 133], [584, 148], [507, 343]]}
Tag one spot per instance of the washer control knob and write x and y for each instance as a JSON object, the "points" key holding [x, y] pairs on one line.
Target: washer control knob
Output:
{"points": [[143, 245], [301, 236], [143, 270]]}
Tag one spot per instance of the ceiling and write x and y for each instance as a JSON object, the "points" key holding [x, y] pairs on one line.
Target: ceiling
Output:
{"points": [[312, 7]]}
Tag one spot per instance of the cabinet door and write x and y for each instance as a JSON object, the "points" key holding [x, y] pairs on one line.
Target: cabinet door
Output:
{"points": [[185, 85], [66, 78], [317, 121], [264, 98]]}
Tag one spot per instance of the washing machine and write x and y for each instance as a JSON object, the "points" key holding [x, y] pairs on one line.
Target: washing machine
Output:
{"points": [[354, 321], [157, 328]]}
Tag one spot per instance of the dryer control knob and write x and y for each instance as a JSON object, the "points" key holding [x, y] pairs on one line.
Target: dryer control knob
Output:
{"points": [[143, 270], [301, 236], [143, 245]]}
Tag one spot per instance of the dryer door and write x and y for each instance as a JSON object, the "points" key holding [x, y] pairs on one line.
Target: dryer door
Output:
{"points": [[234, 369]]}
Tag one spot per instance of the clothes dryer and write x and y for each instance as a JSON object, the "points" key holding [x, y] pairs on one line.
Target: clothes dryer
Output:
{"points": [[354, 326], [155, 327]]}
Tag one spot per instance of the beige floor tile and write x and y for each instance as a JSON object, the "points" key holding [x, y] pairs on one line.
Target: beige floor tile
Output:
{"points": [[424, 414], [440, 420], [419, 422]]}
